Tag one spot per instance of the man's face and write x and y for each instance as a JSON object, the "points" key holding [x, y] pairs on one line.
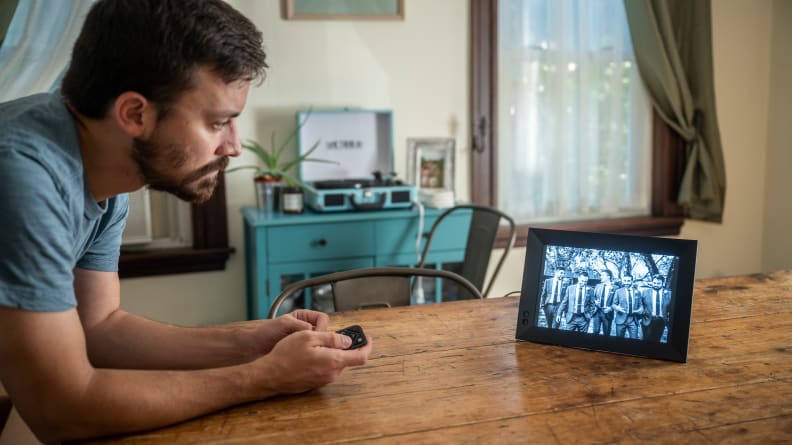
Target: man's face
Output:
{"points": [[582, 279], [192, 143], [605, 278], [559, 274], [657, 283], [627, 281]]}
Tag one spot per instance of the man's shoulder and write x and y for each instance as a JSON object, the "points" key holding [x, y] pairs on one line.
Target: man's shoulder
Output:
{"points": [[36, 111], [33, 121], [38, 134]]}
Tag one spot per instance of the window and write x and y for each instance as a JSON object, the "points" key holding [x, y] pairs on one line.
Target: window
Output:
{"points": [[157, 220], [575, 118], [574, 144], [208, 249]]}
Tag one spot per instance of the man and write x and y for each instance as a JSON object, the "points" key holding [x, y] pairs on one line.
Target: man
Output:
{"points": [[603, 299], [577, 304], [656, 303], [628, 308], [552, 292], [150, 97]]}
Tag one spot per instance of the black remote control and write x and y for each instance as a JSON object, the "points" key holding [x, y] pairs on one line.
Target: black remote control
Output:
{"points": [[354, 332]]}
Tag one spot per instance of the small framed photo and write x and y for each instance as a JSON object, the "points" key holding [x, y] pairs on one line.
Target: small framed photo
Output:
{"points": [[430, 163], [615, 293]]}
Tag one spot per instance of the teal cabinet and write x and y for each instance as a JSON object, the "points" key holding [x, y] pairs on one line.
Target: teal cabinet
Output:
{"points": [[283, 248]]}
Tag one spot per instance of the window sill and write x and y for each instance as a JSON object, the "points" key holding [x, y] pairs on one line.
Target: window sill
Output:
{"points": [[172, 261], [644, 226]]}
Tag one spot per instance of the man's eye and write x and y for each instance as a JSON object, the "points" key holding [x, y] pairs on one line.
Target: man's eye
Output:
{"points": [[220, 125]]}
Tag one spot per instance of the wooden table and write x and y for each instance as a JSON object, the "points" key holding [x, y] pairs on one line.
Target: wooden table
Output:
{"points": [[453, 373]]}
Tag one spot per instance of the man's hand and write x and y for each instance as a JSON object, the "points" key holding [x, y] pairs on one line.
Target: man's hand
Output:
{"points": [[307, 359], [269, 332], [317, 319], [80, 400]]}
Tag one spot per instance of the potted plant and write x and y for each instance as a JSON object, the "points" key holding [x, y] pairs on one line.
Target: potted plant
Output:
{"points": [[274, 171]]}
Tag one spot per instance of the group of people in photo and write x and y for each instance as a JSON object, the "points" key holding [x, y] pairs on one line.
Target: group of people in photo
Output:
{"points": [[615, 306]]}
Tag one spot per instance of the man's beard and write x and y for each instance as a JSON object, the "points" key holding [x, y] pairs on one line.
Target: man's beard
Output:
{"points": [[156, 161]]}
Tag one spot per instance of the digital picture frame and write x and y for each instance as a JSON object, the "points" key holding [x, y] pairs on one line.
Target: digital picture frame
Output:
{"points": [[615, 293]]}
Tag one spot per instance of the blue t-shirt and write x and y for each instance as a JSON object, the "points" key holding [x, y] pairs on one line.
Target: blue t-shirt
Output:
{"points": [[49, 221]]}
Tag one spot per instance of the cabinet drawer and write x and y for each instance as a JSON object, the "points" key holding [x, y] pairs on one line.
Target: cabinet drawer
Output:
{"points": [[398, 235], [320, 241]]}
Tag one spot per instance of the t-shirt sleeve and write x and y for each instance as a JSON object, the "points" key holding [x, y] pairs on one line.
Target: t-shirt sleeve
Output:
{"points": [[102, 254], [36, 270]]}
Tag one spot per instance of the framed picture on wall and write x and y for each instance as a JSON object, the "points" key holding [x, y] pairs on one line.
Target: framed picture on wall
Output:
{"points": [[343, 9]]}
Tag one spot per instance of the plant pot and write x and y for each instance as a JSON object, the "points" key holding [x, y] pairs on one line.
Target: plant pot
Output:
{"points": [[266, 200]]}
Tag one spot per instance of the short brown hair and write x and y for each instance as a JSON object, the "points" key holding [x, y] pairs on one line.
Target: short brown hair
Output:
{"points": [[153, 47]]}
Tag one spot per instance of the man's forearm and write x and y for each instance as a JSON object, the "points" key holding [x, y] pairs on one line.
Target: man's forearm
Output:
{"points": [[79, 400], [124, 340], [117, 401]]}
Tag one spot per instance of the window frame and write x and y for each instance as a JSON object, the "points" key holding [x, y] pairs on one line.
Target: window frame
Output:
{"points": [[209, 252], [668, 148]]}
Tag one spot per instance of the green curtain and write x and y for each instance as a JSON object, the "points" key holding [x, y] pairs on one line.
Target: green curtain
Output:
{"points": [[672, 40], [7, 8]]}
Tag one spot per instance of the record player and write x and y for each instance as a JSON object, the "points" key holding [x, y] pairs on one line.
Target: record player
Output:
{"points": [[361, 142], [360, 194]]}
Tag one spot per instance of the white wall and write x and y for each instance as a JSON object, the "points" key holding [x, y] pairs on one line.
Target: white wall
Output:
{"points": [[777, 245], [741, 45], [419, 68]]}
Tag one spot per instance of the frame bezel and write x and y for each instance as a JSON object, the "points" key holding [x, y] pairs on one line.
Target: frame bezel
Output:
{"points": [[682, 293]]}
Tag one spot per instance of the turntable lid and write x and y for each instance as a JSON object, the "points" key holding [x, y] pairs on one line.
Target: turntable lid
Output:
{"points": [[361, 141]]}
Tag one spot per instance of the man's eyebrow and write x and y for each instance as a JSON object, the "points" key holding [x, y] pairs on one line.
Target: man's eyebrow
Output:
{"points": [[223, 113]]}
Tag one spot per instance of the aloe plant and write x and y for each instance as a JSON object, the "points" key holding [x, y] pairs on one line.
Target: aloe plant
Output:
{"points": [[273, 166]]}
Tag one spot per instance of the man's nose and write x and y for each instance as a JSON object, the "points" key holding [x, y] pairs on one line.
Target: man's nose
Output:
{"points": [[231, 146]]}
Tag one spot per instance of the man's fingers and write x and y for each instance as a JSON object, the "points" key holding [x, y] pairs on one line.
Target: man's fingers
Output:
{"points": [[292, 324], [353, 357], [357, 357], [332, 340], [317, 319]]}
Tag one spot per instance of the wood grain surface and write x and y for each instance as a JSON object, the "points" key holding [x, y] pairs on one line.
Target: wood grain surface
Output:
{"points": [[453, 373]]}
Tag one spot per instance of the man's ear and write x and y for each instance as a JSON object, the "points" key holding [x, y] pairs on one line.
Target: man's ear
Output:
{"points": [[135, 115]]}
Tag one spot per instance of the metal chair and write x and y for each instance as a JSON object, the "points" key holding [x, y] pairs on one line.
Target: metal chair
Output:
{"points": [[484, 225], [371, 287]]}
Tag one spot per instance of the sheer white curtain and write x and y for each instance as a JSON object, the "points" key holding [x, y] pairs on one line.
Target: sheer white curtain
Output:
{"points": [[574, 120], [38, 45]]}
